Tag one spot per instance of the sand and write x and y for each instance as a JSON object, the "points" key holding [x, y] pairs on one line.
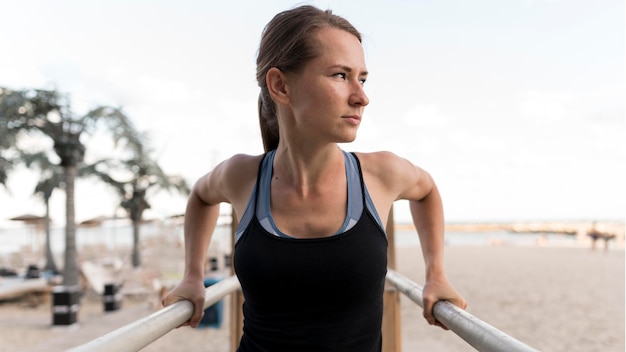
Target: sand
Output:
{"points": [[553, 299]]}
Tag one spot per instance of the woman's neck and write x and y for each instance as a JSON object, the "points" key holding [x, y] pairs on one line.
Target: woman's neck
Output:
{"points": [[306, 168]]}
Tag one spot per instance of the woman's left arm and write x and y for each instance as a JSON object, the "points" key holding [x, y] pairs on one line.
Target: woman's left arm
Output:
{"points": [[418, 187], [427, 214]]}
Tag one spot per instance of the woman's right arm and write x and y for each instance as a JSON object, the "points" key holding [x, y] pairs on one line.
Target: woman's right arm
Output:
{"points": [[224, 184], [200, 220]]}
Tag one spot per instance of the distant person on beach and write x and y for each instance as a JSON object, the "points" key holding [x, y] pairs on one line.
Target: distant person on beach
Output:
{"points": [[311, 249], [596, 234]]}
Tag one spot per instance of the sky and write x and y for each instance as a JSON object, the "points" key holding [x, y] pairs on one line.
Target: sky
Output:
{"points": [[516, 107]]}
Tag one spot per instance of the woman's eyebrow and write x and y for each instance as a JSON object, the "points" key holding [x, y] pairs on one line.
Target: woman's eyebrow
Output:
{"points": [[347, 69]]}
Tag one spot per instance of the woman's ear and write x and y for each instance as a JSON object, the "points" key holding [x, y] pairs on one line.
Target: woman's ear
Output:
{"points": [[277, 85]]}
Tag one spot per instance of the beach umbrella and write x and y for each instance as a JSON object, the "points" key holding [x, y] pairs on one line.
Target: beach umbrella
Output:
{"points": [[30, 219], [93, 229], [35, 222], [93, 222]]}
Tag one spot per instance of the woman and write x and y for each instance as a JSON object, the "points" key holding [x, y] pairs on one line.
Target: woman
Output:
{"points": [[311, 249]]}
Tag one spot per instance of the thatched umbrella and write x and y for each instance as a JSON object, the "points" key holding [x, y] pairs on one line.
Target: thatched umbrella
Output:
{"points": [[33, 221], [94, 226], [30, 219], [97, 221]]}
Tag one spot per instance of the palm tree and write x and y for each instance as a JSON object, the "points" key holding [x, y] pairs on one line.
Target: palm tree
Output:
{"points": [[143, 174], [6, 162], [47, 113], [8, 144], [51, 178]]}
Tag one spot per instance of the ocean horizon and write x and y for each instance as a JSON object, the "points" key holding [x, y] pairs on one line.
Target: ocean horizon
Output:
{"points": [[116, 235]]}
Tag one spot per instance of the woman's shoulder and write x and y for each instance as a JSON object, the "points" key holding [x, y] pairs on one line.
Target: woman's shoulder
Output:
{"points": [[230, 179], [382, 162], [244, 160], [390, 172], [239, 166]]}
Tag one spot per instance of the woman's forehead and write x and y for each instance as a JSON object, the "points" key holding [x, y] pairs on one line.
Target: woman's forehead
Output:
{"points": [[338, 47]]}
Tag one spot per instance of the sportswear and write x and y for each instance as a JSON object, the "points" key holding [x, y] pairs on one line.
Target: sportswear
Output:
{"points": [[319, 294]]}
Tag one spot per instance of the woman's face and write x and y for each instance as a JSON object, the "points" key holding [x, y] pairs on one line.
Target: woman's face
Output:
{"points": [[327, 97]]}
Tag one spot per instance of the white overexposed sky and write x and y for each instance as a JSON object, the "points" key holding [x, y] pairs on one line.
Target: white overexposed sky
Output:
{"points": [[515, 107]]}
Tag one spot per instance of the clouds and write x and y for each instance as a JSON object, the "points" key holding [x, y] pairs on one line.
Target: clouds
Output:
{"points": [[544, 107], [515, 107], [425, 115]]}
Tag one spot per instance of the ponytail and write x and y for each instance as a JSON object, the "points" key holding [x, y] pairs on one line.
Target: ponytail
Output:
{"points": [[268, 122]]}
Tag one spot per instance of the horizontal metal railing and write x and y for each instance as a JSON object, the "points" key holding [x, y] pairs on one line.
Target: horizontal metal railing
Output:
{"points": [[477, 333], [142, 332]]}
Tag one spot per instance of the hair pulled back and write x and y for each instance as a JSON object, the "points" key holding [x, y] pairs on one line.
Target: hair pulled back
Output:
{"points": [[288, 43]]}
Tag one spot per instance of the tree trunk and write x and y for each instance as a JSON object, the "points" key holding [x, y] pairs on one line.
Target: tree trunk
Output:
{"points": [[136, 255], [50, 264], [70, 270]]}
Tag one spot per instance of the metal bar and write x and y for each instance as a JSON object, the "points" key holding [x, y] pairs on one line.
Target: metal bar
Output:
{"points": [[142, 332], [477, 333]]}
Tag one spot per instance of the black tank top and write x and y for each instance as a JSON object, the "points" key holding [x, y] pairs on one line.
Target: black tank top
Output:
{"points": [[321, 294]]}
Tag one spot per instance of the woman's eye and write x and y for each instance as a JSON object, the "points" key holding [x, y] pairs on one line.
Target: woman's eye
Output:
{"points": [[344, 76]]}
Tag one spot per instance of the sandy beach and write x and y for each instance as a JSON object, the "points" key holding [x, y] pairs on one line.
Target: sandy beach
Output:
{"points": [[551, 298]]}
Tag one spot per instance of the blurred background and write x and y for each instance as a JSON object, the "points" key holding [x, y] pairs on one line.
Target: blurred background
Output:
{"points": [[515, 107]]}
